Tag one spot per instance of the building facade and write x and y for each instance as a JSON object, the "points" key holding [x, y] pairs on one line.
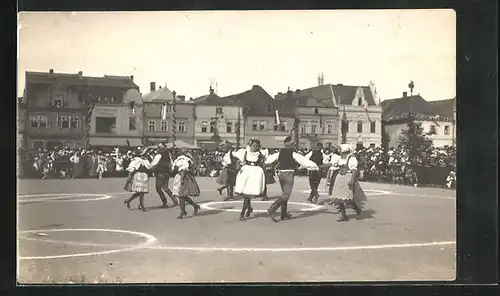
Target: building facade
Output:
{"points": [[21, 122], [438, 119], [55, 110], [158, 129], [218, 119], [116, 119]]}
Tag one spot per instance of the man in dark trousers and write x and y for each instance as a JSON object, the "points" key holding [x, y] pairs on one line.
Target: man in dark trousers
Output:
{"points": [[316, 156], [287, 162], [162, 167]]}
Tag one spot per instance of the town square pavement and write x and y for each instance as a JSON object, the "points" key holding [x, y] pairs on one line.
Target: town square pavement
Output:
{"points": [[79, 231]]}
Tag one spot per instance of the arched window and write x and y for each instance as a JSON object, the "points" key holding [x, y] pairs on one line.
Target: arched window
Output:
{"points": [[360, 126]]}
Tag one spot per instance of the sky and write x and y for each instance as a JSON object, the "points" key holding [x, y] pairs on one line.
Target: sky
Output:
{"points": [[234, 50]]}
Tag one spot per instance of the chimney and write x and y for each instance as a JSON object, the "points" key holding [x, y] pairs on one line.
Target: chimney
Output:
{"points": [[51, 71], [132, 77], [159, 87], [152, 86], [165, 85], [255, 86], [80, 74], [405, 94], [211, 90]]}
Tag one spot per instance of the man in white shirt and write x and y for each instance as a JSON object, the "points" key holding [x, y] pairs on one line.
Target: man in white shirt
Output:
{"points": [[288, 161]]}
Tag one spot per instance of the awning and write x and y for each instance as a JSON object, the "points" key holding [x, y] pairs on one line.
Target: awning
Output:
{"points": [[108, 141]]}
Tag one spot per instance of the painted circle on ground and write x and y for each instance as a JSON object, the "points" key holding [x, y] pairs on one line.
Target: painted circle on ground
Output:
{"points": [[305, 207], [149, 241], [368, 192], [62, 197]]}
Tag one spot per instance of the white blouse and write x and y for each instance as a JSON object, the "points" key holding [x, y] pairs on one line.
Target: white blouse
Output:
{"points": [[352, 165], [136, 163], [182, 163], [251, 156]]}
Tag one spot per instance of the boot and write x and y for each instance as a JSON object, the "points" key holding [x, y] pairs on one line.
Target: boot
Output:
{"points": [[249, 207], [141, 202], [344, 216], [244, 209], [284, 213], [194, 204], [163, 199], [358, 210], [182, 204], [273, 209]]}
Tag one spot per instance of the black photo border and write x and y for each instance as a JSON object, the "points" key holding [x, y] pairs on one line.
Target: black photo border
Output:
{"points": [[477, 204]]}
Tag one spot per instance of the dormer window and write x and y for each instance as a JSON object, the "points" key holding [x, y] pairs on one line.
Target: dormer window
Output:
{"points": [[316, 111], [57, 101], [360, 102]]}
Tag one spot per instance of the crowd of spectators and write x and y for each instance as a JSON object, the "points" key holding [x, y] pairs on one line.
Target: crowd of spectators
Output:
{"points": [[375, 164]]}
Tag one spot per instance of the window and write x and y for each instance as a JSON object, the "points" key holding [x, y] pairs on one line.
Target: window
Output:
{"points": [[329, 129], [113, 99], [432, 130], [316, 111], [39, 121], [373, 127], [303, 128], [132, 124], [360, 102], [229, 127], [218, 111], [65, 121], [204, 126], [262, 125], [181, 126], [313, 128], [57, 101], [446, 129], [268, 108], [213, 125], [360, 126], [164, 126], [74, 122], [255, 125], [372, 145], [151, 126], [105, 124]]}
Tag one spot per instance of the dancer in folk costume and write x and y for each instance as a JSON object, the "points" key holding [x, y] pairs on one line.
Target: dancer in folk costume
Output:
{"points": [[317, 156], [346, 189], [288, 161], [331, 160], [162, 168], [227, 176], [250, 179], [269, 173], [185, 185], [140, 168]]}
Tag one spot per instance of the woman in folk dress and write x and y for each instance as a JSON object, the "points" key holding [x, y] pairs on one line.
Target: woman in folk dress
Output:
{"points": [[331, 160], [346, 189], [250, 179], [185, 185], [139, 167]]}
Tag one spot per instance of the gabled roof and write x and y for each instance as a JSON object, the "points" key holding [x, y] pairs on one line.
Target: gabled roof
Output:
{"points": [[74, 79], [318, 96], [345, 94], [399, 109], [162, 94], [213, 99], [255, 95]]}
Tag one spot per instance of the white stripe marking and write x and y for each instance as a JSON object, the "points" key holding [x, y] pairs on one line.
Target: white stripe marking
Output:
{"points": [[67, 197], [305, 249], [149, 240], [375, 192]]}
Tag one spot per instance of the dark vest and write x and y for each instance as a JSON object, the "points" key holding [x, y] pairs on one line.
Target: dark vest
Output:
{"points": [[286, 161], [163, 165], [317, 157]]}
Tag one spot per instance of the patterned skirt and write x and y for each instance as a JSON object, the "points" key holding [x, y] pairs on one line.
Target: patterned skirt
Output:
{"points": [[342, 193], [140, 182], [185, 185], [330, 180]]}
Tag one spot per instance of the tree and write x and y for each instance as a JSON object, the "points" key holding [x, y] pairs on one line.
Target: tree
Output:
{"points": [[414, 140], [386, 139]]}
